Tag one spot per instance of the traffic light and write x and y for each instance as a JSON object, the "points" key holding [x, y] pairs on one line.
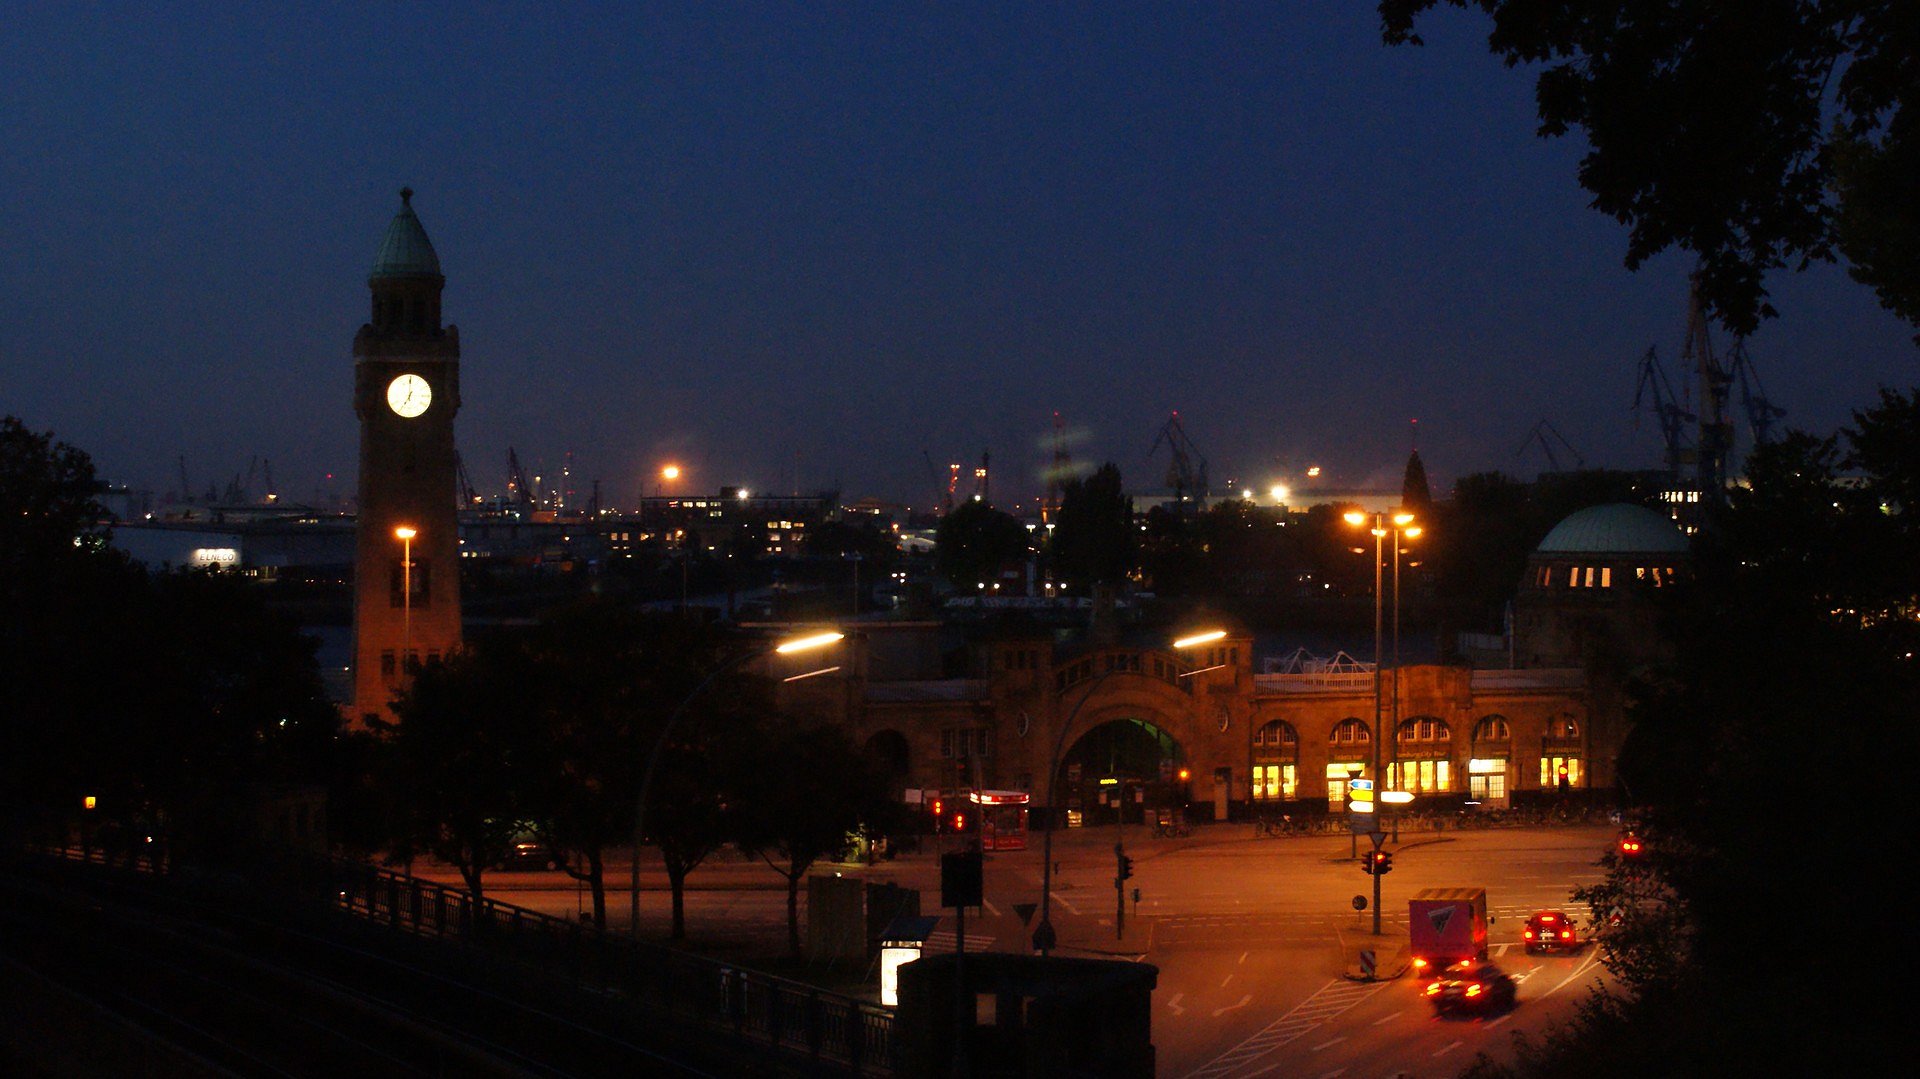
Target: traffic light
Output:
{"points": [[959, 822], [1377, 863], [1125, 864], [1630, 846]]}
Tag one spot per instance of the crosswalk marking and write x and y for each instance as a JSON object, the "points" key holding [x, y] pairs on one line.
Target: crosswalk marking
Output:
{"points": [[941, 941], [1331, 999]]}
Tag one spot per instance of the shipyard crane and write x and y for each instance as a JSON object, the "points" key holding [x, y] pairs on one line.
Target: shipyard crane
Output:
{"points": [[468, 496], [1653, 392], [1761, 412], [933, 474], [1540, 434], [1186, 467], [519, 491], [1714, 442], [1057, 475]]}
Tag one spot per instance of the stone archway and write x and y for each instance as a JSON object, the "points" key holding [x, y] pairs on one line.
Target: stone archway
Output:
{"points": [[1126, 765]]}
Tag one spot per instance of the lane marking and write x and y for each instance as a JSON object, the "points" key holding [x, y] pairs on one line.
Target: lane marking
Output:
{"points": [[1447, 1048], [1331, 999], [1243, 956], [1500, 1020], [1174, 1004], [1065, 902], [1225, 980], [991, 909], [1335, 1041], [1218, 1012], [1388, 1019]]}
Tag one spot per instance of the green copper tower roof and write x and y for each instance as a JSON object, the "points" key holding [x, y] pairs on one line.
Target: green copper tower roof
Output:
{"points": [[406, 251]]}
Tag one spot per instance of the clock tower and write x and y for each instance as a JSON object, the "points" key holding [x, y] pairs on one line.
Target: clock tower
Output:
{"points": [[406, 389]]}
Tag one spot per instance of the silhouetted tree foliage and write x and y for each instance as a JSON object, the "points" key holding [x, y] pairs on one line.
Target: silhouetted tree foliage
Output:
{"points": [[1765, 764], [1756, 135], [976, 543], [462, 755], [813, 792], [168, 698], [1094, 539]]}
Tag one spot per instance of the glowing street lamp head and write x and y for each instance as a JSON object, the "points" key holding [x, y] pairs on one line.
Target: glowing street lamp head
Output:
{"points": [[1402, 519], [404, 532], [1278, 492], [1200, 638], [1411, 532], [671, 472], [809, 642], [1354, 518]]}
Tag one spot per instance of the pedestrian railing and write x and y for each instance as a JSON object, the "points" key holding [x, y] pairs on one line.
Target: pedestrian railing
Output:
{"points": [[823, 1025], [828, 1028]]}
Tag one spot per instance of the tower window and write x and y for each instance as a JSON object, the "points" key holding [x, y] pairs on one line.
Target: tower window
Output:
{"points": [[421, 580]]}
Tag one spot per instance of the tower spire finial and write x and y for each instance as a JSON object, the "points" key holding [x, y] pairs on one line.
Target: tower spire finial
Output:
{"points": [[406, 196]]}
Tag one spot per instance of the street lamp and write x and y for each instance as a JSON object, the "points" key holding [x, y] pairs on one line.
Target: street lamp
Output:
{"points": [[1043, 932], [787, 647], [405, 534], [1383, 525]]}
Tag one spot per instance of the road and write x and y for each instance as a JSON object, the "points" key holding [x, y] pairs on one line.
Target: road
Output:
{"points": [[1252, 937]]}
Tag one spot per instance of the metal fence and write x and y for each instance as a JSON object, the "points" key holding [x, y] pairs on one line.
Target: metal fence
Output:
{"points": [[822, 1025], [826, 1027]]}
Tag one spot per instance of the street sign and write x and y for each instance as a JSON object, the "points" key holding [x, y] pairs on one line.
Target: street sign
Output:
{"points": [[1366, 963], [960, 879], [1043, 937], [1361, 785], [1359, 902]]}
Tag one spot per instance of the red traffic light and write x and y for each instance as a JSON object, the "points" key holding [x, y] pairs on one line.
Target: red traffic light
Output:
{"points": [[1630, 845], [1185, 775], [959, 822], [937, 806]]}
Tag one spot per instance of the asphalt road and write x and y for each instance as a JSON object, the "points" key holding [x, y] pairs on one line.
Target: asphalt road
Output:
{"points": [[1252, 937]]}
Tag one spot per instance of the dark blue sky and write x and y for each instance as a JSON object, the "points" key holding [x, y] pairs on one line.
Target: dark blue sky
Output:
{"points": [[808, 242]]}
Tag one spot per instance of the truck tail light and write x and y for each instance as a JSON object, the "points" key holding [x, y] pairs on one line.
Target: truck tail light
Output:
{"points": [[1566, 934], [1473, 990], [1433, 989], [1529, 934]]}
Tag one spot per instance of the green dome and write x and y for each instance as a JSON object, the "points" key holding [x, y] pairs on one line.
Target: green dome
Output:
{"points": [[1615, 528], [406, 251]]}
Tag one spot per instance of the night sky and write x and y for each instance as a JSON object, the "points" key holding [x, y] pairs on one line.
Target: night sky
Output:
{"points": [[801, 244]]}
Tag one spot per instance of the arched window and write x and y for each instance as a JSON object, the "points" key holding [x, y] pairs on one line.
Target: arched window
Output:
{"points": [[1492, 729], [1278, 734], [1350, 732], [1425, 729], [1563, 728]]}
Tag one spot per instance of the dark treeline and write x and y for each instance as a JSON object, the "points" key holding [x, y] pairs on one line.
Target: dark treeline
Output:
{"points": [[181, 704]]}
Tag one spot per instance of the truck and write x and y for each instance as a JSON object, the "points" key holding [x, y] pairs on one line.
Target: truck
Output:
{"points": [[1446, 926]]}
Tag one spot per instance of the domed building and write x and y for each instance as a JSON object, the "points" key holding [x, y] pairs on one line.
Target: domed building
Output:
{"points": [[1587, 592]]}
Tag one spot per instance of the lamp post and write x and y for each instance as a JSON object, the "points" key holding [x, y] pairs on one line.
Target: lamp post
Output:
{"points": [[1380, 529], [405, 534], [1043, 932], [1403, 526], [787, 647]]}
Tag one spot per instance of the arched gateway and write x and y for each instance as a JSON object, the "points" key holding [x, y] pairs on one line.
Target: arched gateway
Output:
{"points": [[1140, 714]]}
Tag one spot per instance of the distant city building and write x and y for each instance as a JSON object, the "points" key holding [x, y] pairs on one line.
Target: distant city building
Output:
{"points": [[1587, 593], [775, 525]]}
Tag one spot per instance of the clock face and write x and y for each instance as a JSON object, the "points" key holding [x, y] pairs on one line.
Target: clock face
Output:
{"points": [[409, 395]]}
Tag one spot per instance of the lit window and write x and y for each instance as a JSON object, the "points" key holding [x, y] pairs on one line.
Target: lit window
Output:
{"points": [[1606, 576]]}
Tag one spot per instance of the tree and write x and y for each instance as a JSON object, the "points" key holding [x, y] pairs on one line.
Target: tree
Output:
{"points": [[461, 756], [1756, 135], [976, 543], [1793, 668], [813, 791], [1094, 540]]}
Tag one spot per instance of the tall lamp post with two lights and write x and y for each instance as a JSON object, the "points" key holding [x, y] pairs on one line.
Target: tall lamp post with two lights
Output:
{"points": [[788, 647], [1043, 934], [1396, 524]]}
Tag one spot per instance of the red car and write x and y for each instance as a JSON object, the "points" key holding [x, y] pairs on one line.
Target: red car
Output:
{"points": [[1549, 931]]}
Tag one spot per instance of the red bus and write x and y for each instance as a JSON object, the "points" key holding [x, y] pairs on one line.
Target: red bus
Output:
{"points": [[1003, 819]]}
